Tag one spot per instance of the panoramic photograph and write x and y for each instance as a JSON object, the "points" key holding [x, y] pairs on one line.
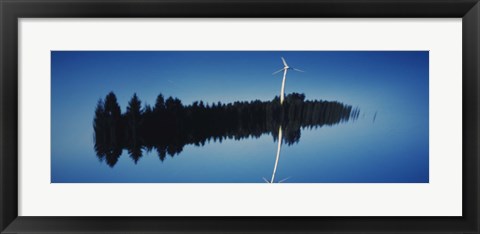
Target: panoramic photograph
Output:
{"points": [[240, 117]]}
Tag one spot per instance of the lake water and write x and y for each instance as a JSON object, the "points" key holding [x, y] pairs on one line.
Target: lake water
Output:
{"points": [[356, 151]]}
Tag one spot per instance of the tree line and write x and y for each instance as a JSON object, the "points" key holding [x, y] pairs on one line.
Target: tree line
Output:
{"points": [[169, 125]]}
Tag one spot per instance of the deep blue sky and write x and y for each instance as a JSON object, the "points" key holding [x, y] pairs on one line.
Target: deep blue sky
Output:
{"points": [[391, 83]]}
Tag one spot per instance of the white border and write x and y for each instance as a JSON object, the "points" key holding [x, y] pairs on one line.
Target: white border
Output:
{"points": [[441, 197]]}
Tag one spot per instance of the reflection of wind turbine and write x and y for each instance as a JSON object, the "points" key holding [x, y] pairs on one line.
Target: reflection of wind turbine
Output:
{"points": [[284, 69], [280, 138], [279, 147]]}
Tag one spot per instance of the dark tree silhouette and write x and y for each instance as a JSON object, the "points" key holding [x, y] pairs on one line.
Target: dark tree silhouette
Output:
{"points": [[160, 103], [134, 121], [170, 125], [108, 129]]}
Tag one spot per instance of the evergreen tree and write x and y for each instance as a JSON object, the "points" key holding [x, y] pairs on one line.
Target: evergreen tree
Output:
{"points": [[134, 116]]}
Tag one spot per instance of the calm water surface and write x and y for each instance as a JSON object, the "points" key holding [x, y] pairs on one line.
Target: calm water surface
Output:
{"points": [[357, 151]]}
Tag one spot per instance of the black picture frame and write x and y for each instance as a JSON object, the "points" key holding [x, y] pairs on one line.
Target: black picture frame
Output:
{"points": [[11, 11]]}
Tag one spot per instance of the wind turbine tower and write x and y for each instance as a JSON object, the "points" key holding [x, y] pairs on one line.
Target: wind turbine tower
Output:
{"points": [[285, 69]]}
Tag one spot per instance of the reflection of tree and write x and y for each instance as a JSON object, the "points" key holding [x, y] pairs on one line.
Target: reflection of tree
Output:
{"points": [[169, 125]]}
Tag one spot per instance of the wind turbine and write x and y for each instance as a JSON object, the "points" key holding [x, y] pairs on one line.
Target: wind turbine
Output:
{"points": [[280, 135], [285, 69]]}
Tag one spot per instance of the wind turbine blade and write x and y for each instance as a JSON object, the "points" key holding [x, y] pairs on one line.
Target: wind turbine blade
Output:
{"points": [[278, 71], [298, 70], [284, 179], [265, 180], [284, 62]]}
